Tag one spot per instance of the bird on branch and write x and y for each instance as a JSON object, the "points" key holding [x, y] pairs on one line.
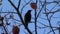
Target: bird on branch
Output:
{"points": [[27, 18]]}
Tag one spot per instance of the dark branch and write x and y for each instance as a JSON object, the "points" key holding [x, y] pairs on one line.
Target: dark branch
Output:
{"points": [[9, 12], [12, 4], [19, 3]]}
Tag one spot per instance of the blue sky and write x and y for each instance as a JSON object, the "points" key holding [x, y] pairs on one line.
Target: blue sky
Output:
{"points": [[7, 6]]}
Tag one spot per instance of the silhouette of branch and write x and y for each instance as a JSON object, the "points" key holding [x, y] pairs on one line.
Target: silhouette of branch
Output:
{"points": [[48, 19], [5, 29], [25, 5], [12, 4], [42, 27], [45, 26], [9, 12], [35, 23], [42, 24], [58, 10], [20, 16], [50, 24], [36, 19], [51, 31], [2, 18], [40, 9], [43, 18], [15, 19], [19, 3], [57, 2]]}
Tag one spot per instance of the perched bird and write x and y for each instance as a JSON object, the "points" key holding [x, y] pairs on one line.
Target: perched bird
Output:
{"points": [[27, 18]]}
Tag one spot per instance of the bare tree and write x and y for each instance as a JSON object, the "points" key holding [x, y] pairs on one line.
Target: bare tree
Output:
{"points": [[41, 9]]}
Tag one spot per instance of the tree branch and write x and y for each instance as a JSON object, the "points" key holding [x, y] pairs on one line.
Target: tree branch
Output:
{"points": [[35, 23], [49, 19], [19, 3], [12, 4], [20, 16]]}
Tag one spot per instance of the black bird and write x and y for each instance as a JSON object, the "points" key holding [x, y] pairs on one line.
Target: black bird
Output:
{"points": [[27, 18]]}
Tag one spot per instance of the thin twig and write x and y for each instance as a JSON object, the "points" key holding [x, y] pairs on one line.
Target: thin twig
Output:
{"points": [[35, 23], [25, 6], [48, 19], [4, 27], [19, 3]]}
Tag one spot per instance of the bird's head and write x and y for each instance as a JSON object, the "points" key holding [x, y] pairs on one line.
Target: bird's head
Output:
{"points": [[29, 11]]}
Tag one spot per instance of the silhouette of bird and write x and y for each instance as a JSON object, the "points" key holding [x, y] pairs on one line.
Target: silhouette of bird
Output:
{"points": [[27, 17]]}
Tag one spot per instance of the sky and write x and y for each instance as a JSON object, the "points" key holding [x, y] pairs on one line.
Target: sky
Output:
{"points": [[6, 6]]}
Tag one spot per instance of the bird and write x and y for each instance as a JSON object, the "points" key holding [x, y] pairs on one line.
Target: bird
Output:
{"points": [[27, 18]]}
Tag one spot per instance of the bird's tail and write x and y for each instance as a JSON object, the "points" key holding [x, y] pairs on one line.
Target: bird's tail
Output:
{"points": [[26, 25]]}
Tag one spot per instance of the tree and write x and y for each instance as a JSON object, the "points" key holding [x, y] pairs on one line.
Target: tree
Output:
{"points": [[45, 16]]}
